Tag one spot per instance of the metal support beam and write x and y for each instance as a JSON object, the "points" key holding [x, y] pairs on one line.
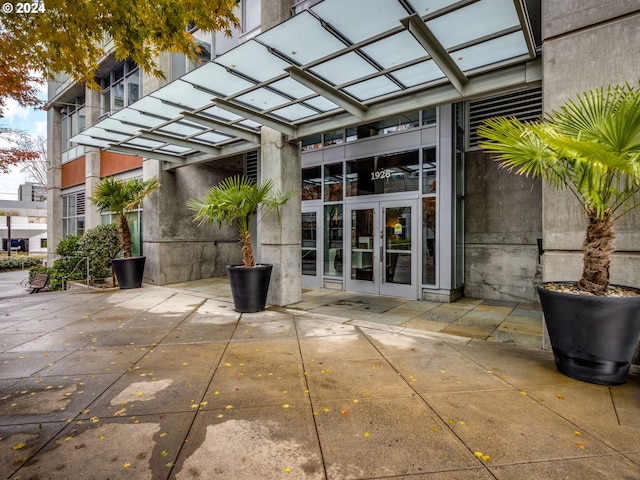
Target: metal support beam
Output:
{"points": [[141, 152], [329, 92], [222, 127], [190, 144], [416, 27], [226, 151], [245, 112]]}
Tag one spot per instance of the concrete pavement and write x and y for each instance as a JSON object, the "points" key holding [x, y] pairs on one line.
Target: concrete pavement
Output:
{"points": [[162, 382]]}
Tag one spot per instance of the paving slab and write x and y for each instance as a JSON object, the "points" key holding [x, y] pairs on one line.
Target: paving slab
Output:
{"points": [[116, 448], [252, 443], [167, 382], [387, 437], [494, 424]]}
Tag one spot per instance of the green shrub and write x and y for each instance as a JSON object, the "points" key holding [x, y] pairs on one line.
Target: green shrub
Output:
{"points": [[62, 267], [19, 262], [100, 245]]}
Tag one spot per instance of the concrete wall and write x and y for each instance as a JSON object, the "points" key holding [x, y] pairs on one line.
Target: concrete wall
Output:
{"points": [[587, 44], [177, 249], [503, 220]]}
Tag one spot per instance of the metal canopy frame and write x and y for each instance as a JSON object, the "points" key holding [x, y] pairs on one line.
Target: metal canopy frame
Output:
{"points": [[332, 66]]}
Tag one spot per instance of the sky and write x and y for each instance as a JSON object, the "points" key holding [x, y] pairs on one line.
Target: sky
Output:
{"points": [[31, 121]]}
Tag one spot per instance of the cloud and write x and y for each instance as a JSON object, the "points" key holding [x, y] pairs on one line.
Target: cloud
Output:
{"points": [[14, 111]]}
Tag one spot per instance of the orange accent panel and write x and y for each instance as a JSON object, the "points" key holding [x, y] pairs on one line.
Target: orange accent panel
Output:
{"points": [[113, 163], [73, 173]]}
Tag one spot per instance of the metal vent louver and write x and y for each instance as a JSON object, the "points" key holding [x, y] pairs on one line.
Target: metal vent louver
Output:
{"points": [[251, 165], [523, 104]]}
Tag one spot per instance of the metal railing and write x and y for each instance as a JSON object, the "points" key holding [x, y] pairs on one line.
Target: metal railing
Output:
{"points": [[66, 277]]}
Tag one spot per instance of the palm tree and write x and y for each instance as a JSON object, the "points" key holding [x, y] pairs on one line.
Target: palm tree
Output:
{"points": [[234, 201], [590, 146], [119, 196]]}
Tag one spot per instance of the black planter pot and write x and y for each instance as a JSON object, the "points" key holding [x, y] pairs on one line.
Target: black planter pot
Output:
{"points": [[593, 338], [249, 287], [129, 271]]}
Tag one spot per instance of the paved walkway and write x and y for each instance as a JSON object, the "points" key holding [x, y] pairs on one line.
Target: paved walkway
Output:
{"points": [[517, 323], [166, 382]]}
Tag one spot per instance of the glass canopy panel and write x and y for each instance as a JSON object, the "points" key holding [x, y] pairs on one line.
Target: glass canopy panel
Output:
{"points": [[85, 139], [212, 137], [262, 99], [221, 114], [130, 115], [250, 124], [359, 20], [496, 50], [216, 78], [294, 112], [343, 69], [109, 136], [395, 50], [180, 130], [372, 88], [176, 150], [112, 125], [322, 104], [419, 74], [292, 88], [303, 39], [156, 107], [254, 61], [480, 19], [142, 142], [183, 93], [428, 7]]}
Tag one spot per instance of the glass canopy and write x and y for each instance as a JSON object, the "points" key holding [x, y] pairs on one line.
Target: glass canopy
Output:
{"points": [[334, 65]]}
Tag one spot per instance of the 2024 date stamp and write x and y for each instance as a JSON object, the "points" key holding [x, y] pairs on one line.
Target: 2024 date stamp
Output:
{"points": [[23, 8]]}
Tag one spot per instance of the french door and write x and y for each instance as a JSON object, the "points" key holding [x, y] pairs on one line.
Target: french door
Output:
{"points": [[382, 248]]}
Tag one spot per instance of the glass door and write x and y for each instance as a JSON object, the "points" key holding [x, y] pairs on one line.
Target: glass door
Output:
{"points": [[311, 247], [382, 254]]}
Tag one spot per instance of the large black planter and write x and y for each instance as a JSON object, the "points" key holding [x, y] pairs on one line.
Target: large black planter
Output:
{"points": [[593, 338], [249, 287], [129, 271]]}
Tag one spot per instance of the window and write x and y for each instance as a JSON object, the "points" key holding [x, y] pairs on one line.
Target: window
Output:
{"points": [[311, 183], [43, 243], [73, 121], [311, 143], [382, 127], [121, 87], [429, 116], [398, 172], [333, 182], [73, 214], [134, 218], [429, 170], [429, 238], [333, 230], [204, 41], [251, 16]]}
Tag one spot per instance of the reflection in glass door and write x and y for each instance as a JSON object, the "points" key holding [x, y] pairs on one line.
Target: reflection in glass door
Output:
{"points": [[311, 246], [383, 251]]}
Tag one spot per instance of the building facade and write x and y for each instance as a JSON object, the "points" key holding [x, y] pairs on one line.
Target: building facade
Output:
{"points": [[369, 109]]}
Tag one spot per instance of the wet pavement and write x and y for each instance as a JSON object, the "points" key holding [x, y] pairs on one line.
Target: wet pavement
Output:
{"points": [[170, 382]]}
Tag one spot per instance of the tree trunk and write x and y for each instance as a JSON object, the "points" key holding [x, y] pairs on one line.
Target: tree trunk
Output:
{"points": [[247, 250], [598, 247], [126, 236]]}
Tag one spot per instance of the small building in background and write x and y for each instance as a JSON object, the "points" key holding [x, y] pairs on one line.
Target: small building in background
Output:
{"points": [[23, 223]]}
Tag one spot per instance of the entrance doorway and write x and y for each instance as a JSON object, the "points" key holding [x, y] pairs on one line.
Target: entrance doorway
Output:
{"points": [[382, 248]]}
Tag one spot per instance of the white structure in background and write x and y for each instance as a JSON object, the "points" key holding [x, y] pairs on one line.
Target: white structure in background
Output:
{"points": [[27, 220]]}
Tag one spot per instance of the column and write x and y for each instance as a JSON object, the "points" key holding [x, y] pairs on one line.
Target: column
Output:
{"points": [[92, 160], [281, 240], [54, 182]]}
